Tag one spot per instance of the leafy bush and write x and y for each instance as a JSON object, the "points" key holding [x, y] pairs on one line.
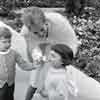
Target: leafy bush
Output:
{"points": [[40, 3], [87, 28]]}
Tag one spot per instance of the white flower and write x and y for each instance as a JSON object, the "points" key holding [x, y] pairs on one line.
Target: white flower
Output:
{"points": [[36, 54]]}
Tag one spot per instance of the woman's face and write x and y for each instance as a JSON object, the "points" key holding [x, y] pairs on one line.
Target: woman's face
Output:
{"points": [[40, 30]]}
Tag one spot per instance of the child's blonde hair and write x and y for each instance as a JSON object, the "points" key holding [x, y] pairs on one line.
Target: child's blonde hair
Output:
{"points": [[5, 32], [33, 16]]}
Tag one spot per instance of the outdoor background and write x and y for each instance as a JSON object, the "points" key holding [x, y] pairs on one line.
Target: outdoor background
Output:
{"points": [[83, 16]]}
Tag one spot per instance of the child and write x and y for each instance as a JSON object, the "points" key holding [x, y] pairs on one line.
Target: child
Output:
{"points": [[8, 60], [57, 84]]}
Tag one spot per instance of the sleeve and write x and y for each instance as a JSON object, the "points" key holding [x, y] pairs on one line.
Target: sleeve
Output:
{"points": [[24, 64]]}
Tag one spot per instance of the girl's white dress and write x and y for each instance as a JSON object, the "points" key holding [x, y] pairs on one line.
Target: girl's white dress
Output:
{"points": [[58, 85]]}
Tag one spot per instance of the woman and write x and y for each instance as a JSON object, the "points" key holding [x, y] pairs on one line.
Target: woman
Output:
{"points": [[50, 27]]}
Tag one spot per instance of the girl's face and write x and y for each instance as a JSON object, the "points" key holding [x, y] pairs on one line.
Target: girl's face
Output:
{"points": [[54, 59], [5, 44]]}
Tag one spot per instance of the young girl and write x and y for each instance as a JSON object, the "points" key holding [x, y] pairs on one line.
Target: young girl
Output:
{"points": [[58, 85]]}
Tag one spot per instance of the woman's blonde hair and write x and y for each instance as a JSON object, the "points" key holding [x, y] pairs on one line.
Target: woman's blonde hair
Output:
{"points": [[33, 16]]}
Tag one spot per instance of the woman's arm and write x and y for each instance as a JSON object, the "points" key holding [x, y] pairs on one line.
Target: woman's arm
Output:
{"points": [[24, 64]]}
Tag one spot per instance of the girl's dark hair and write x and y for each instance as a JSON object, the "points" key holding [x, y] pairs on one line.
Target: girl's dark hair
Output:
{"points": [[5, 32], [65, 52]]}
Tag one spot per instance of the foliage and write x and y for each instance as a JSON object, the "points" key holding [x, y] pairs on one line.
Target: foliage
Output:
{"points": [[87, 28], [75, 7], [27, 3]]}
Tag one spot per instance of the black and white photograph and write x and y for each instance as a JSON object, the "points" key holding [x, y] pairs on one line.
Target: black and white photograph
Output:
{"points": [[49, 49]]}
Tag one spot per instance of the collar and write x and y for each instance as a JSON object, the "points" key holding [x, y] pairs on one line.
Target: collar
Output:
{"points": [[54, 70], [4, 53]]}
